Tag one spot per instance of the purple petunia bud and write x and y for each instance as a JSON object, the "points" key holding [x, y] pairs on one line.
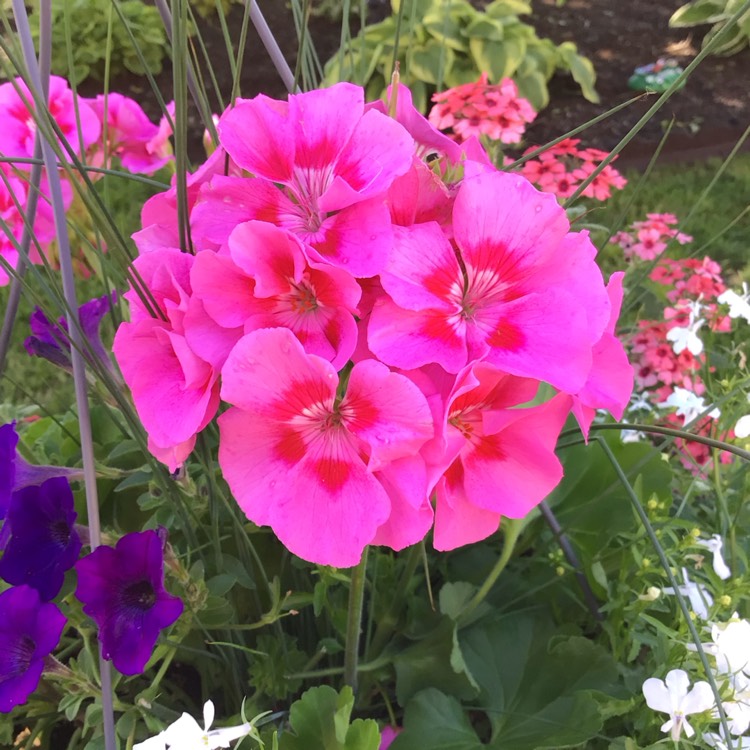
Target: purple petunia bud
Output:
{"points": [[122, 590], [43, 543], [52, 340], [29, 631]]}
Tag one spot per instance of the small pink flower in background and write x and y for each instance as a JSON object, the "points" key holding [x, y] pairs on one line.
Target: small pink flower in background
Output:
{"points": [[562, 168], [140, 145], [476, 109], [19, 127], [671, 696]]}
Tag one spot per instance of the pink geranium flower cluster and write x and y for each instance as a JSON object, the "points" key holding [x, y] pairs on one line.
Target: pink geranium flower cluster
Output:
{"points": [[561, 169], [375, 328], [669, 354], [648, 239], [480, 108], [140, 145]]}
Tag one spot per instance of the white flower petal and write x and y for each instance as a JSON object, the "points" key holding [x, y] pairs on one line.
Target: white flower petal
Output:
{"points": [[700, 698], [689, 731], [209, 713], [153, 743], [184, 734], [677, 682], [223, 737], [742, 428], [657, 695]]}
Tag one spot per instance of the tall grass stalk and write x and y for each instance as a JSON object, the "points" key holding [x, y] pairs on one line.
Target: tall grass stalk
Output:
{"points": [[79, 368]]}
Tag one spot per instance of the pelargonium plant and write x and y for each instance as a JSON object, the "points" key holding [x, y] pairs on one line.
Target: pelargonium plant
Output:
{"points": [[377, 321]]}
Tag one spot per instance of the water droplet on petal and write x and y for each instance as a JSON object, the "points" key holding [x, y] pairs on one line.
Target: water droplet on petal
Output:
{"points": [[538, 209]]}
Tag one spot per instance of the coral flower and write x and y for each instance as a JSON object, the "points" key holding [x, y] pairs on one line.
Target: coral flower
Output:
{"points": [[29, 631], [302, 459], [122, 590]]}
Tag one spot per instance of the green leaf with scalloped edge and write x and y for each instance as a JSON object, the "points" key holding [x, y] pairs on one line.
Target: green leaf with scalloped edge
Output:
{"points": [[320, 720]]}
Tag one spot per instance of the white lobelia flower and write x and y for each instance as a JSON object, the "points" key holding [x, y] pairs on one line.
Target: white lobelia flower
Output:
{"points": [[742, 428], [688, 405], [187, 734], [738, 709], [731, 643], [717, 741], [697, 593], [714, 545], [671, 696], [687, 338], [739, 304]]}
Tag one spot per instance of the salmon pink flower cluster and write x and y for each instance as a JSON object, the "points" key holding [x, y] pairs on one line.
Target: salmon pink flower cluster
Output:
{"points": [[480, 108], [140, 145], [562, 168], [648, 239], [374, 307]]}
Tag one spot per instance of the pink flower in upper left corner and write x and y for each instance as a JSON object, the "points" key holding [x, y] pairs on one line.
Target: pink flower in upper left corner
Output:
{"points": [[176, 392], [80, 129], [322, 165], [303, 459]]}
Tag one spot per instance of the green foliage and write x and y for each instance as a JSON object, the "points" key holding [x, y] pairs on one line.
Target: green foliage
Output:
{"points": [[718, 13], [445, 44], [321, 720], [537, 688], [88, 21], [207, 8]]}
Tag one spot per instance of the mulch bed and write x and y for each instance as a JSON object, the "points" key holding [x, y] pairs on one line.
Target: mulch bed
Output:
{"points": [[709, 114]]}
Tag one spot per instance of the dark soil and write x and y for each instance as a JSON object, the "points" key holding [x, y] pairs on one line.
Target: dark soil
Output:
{"points": [[709, 114]]}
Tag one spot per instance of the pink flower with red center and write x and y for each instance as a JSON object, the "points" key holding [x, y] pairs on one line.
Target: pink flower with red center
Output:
{"points": [[77, 121], [302, 458], [322, 164], [265, 281], [500, 294], [491, 460], [175, 391]]}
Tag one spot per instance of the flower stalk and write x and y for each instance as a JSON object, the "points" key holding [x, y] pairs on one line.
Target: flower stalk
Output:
{"points": [[354, 621]]}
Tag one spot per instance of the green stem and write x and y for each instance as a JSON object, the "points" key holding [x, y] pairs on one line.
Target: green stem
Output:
{"points": [[388, 623], [354, 621], [512, 528]]}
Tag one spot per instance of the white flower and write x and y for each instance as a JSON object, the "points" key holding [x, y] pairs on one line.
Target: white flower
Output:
{"points": [[686, 338], [714, 546], [187, 734], [742, 428], [732, 646], [717, 741], [688, 405], [697, 593], [738, 709], [671, 696], [739, 304], [640, 402]]}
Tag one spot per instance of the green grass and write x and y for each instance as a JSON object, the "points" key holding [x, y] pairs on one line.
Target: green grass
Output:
{"points": [[676, 189]]}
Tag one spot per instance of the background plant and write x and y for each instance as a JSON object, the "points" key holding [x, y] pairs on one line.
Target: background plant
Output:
{"points": [[718, 13], [444, 44]]}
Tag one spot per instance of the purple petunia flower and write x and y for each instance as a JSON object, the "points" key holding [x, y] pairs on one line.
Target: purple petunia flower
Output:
{"points": [[42, 541], [52, 340], [15, 473], [122, 590], [29, 631]]}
